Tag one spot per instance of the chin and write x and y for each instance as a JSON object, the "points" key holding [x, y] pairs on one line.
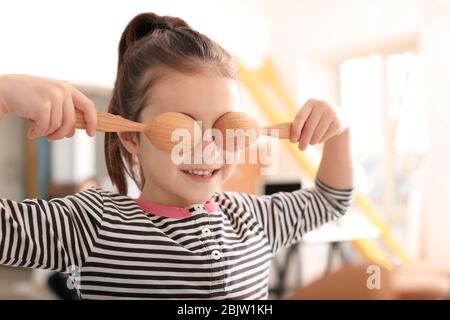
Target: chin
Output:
{"points": [[194, 199]]}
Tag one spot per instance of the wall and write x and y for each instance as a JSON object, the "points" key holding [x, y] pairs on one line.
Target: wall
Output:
{"points": [[77, 40], [435, 35]]}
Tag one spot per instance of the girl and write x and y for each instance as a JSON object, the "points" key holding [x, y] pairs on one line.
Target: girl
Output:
{"points": [[181, 238]]}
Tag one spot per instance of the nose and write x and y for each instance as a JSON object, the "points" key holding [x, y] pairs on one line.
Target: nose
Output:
{"points": [[208, 152]]}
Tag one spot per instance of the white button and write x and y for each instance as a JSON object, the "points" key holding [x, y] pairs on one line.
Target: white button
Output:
{"points": [[216, 254], [206, 231]]}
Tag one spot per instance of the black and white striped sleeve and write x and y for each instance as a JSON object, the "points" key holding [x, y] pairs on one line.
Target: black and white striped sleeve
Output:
{"points": [[286, 216], [56, 235]]}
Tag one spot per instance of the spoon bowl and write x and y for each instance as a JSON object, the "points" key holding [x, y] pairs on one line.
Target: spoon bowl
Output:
{"points": [[246, 130]]}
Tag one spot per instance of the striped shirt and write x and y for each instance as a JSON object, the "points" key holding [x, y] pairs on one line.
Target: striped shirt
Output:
{"points": [[112, 248]]}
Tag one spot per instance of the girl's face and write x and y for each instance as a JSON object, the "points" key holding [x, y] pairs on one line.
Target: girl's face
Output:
{"points": [[204, 97]]}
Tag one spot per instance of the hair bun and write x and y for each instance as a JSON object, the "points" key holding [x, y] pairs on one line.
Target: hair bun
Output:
{"points": [[143, 25]]}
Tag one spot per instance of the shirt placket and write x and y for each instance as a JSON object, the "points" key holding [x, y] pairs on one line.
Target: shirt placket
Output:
{"points": [[215, 252]]}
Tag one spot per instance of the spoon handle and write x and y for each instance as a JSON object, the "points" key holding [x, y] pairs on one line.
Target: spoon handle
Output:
{"points": [[282, 130], [107, 122]]}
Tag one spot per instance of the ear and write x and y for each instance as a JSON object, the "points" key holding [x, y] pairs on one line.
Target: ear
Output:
{"points": [[129, 141]]}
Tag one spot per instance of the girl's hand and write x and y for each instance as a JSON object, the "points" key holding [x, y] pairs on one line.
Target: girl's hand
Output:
{"points": [[316, 122], [50, 104]]}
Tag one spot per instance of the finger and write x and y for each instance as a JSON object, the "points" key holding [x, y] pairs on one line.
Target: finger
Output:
{"points": [[68, 121], [87, 107], [41, 123], [71, 133], [308, 129], [322, 127], [56, 118], [332, 130], [299, 121]]}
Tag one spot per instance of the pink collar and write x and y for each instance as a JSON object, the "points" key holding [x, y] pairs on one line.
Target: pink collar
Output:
{"points": [[176, 212]]}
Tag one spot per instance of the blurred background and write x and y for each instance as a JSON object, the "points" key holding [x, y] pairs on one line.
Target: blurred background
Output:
{"points": [[386, 62]]}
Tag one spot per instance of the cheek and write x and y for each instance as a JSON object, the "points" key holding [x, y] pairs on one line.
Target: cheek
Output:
{"points": [[227, 171], [155, 160]]}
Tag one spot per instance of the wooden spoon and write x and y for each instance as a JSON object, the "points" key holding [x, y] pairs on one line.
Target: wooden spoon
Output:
{"points": [[241, 120], [159, 130]]}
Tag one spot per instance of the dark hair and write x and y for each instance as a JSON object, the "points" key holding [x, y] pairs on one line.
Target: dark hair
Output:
{"points": [[150, 45]]}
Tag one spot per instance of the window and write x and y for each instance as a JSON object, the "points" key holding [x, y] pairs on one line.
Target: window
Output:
{"points": [[385, 97]]}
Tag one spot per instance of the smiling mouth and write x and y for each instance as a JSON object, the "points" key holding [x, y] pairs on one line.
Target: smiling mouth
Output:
{"points": [[201, 174]]}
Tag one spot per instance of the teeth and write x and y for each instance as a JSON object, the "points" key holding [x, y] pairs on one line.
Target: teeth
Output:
{"points": [[202, 173]]}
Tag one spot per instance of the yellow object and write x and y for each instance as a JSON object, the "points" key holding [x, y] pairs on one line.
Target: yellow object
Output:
{"points": [[369, 249]]}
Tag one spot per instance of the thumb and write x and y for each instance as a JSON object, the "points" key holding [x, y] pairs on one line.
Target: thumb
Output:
{"points": [[34, 132], [31, 133]]}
